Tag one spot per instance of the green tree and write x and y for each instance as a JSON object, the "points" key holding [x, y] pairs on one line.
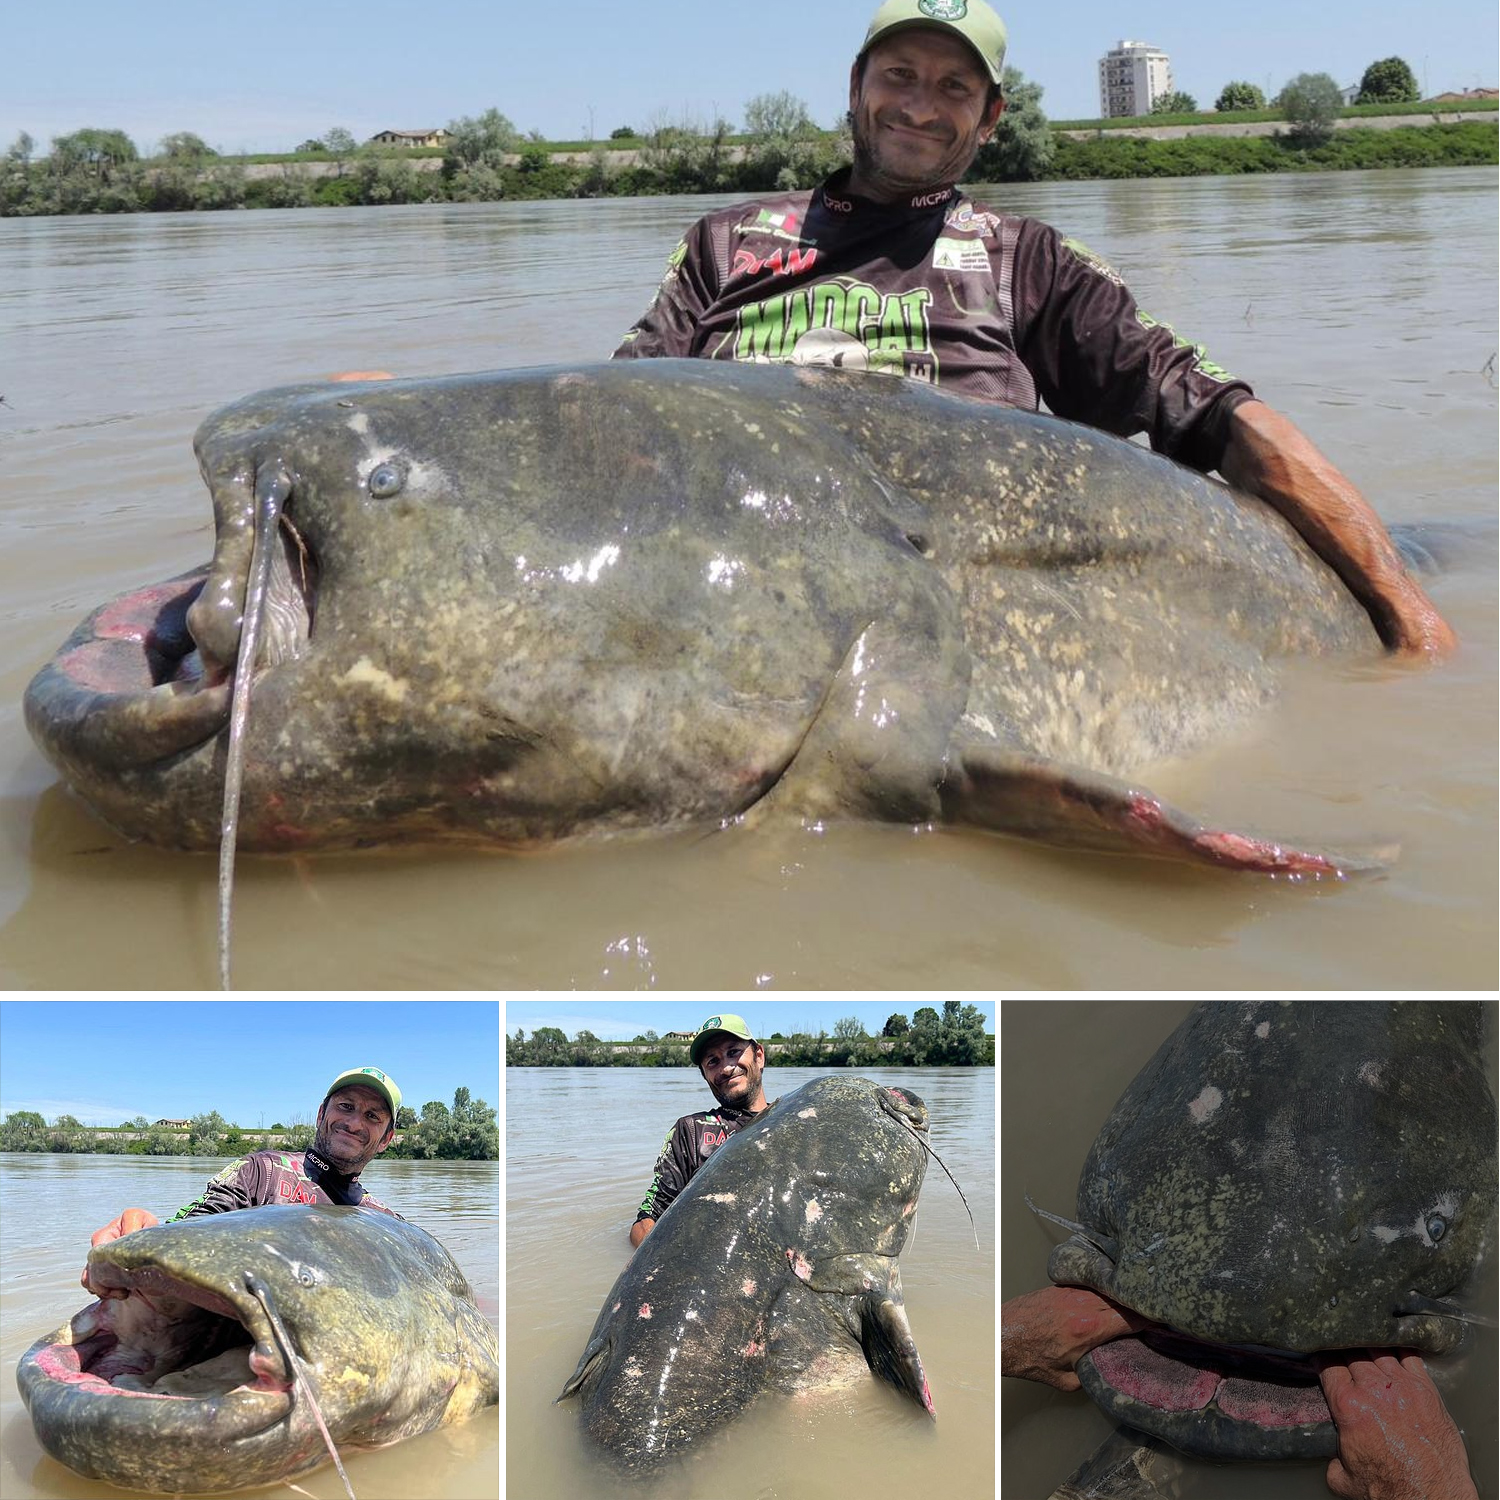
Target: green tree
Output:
{"points": [[204, 1133], [785, 149], [896, 1025], [549, 1047], [1239, 95], [1389, 81], [1311, 103], [23, 1130], [406, 1117], [68, 1135], [184, 144], [311, 147], [849, 1041], [482, 141], [622, 133], [21, 149], [1022, 146], [101, 152], [962, 1041], [1175, 103]]}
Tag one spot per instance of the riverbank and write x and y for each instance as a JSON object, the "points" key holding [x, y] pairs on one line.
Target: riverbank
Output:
{"points": [[1096, 150]]}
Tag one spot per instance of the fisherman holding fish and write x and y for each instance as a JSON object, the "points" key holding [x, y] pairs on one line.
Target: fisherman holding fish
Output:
{"points": [[731, 1061], [888, 267], [356, 1122]]}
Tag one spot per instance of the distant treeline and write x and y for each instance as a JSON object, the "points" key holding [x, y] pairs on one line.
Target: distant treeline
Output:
{"points": [[466, 1132], [487, 159], [955, 1039]]}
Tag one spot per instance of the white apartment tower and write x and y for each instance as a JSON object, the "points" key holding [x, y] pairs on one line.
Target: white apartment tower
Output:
{"points": [[1132, 78]]}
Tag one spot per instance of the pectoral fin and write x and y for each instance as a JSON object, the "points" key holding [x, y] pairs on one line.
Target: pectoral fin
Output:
{"points": [[876, 1314], [1075, 808]]}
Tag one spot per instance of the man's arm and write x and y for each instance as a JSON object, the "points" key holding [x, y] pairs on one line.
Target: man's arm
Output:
{"points": [[1269, 456], [1396, 1439], [667, 1180], [1044, 1334], [127, 1223]]}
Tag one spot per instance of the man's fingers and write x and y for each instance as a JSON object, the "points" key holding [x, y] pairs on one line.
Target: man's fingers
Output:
{"points": [[1340, 1481]]}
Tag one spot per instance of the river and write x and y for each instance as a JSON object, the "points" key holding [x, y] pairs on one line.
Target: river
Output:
{"points": [[567, 1214], [1363, 304], [50, 1205]]}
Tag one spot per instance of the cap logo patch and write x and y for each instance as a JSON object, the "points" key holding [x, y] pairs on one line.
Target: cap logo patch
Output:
{"points": [[943, 10], [712, 1021]]}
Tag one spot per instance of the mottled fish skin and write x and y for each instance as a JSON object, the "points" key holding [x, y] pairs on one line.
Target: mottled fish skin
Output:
{"points": [[1290, 1177], [529, 606], [775, 1268], [384, 1322]]}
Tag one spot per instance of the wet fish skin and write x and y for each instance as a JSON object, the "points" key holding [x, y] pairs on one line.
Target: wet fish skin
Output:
{"points": [[1284, 1179], [384, 1322], [775, 1268]]}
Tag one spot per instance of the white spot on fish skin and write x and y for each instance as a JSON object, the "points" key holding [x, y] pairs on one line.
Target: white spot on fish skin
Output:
{"points": [[632, 1368], [365, 672], [810, 1113], [691, 1315], [786, 1197], [747, 1287], [645, 1311], [1369, 1073], [720, 1198], [1203, 1107], [812, 1213], [1263, 1030]]}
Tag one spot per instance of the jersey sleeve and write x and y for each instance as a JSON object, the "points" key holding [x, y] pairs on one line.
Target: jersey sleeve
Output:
{"points": [[1097, 357], [673, 1169], [233, 1188], [669, 327]]}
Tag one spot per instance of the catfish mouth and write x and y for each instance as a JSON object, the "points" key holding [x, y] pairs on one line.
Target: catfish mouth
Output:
{"points": [[170, 1340], [1214, 1401], [149, 675]]}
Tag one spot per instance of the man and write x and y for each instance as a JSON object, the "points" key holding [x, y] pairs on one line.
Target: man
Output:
{"points": [[1396, 1439], [356, 1122], [731, 1062], [888, 267]]}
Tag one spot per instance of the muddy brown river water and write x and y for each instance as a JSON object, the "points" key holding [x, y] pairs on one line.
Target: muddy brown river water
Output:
{"points": [[1363, 304]]}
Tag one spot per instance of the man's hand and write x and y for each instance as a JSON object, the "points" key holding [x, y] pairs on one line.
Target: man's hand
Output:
{"points": [[1269, 456], [128, 1222], [1396, 1439], [1044, 1334], [363, 375], [640, 1229]]}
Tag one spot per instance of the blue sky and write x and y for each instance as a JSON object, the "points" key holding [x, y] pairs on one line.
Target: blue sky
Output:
{"points": [[267, 77], [105, 1061], [619, 1020]]}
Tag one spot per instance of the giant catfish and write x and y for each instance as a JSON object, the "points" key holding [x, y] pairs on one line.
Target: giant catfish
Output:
{"points": [[1282, 1180], [524, 607], [774, 1268], [186, 1384]]}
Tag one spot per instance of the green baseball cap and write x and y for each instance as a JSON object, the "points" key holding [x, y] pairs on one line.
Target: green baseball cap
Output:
{"points": [[369, 1078], [972, 20], [734, 1025]]}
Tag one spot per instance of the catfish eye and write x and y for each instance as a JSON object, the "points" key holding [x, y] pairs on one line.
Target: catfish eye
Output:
{"points": [[1437, 1227], [386, 480]]}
